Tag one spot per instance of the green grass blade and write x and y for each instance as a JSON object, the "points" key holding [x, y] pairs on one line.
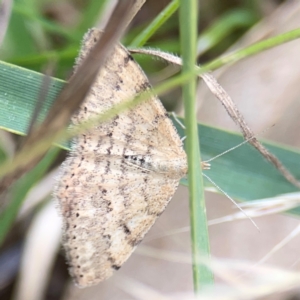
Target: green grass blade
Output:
{"points": [[251, 50], [223, 27], [146, 34], [199, 231], [19, 89]]}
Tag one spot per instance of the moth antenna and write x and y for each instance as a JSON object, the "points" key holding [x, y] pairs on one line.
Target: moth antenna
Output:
{"points": [[237, 146], [229, 150], [234, 202], [177, 120]]}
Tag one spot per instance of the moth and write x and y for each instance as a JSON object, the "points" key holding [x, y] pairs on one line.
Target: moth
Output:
{"points": [[120, 175]]}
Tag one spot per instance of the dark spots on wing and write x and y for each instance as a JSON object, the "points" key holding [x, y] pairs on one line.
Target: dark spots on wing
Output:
{"points": [[110, 259], [160, 117], [149, 149], [145, 180], [84, 138], [77, 256], [124, 149], [110, 148], [122, 190], [126, 229], [67, 187], [128, 137], [117, 87], [77, 215], [74, 237], [134, 242], [107, 168], [159, 214], [85, 109], [67, 210], [128, 58], [95, 40], [109, 134], [80, 275], [72, 175], [78, 267], [144, 86], [115, 123], [116, 267], [104, 191], [107, 236], [98, 145]]}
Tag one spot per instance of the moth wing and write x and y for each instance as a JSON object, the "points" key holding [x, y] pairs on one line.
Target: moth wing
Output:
{"points": [[108, 204], [106, 214]]}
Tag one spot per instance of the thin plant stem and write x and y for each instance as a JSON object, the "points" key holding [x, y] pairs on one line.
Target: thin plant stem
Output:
{"points": [[199, 232], [146, 34]]}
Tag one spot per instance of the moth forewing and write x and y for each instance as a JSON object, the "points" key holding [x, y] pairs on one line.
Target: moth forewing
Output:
{"points": [[120, 175]]}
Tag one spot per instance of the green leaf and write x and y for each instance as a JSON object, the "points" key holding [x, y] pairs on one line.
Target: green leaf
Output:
{"points": [[19, 91]]}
